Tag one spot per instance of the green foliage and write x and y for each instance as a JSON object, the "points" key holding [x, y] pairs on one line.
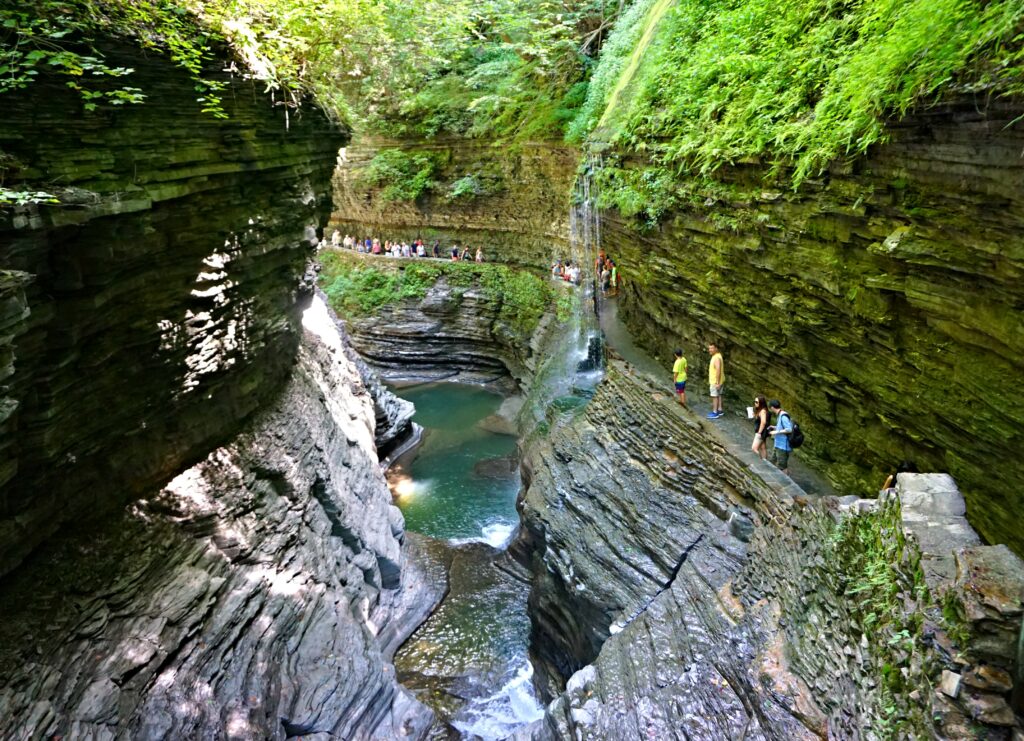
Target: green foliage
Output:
{"points": [[358, 288], [475, 185], [887, 586], [58, 37], [404, 176], [796, 82], [10, 197]]}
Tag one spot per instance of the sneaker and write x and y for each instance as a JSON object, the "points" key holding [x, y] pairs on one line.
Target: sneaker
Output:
{"points": [[712, 415]]}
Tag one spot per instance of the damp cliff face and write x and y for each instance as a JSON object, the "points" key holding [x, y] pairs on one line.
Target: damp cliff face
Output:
{"points": [[880, 302], [512, 202], [146, 316], [681, 586], [267, 582]]}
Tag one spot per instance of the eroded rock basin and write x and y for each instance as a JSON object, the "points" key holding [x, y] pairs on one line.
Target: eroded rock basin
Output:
{"points": [[468, 662]]}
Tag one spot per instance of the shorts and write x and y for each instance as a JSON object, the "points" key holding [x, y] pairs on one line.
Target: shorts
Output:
{"points": [[716, 391], [780, 458], [757, 439], [680, 387]]}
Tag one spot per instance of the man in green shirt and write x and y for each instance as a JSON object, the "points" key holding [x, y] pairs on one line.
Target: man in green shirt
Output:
{"points": [[679, 376]]}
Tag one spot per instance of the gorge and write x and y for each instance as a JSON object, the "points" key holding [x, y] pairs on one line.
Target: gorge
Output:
{"points": [[258, 482]]}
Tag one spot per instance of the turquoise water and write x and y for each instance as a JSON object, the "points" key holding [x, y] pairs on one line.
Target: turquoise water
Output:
{"points": [[442, 492], [468, 661]]}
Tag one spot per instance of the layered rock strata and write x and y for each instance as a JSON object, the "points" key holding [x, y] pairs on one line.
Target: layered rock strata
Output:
{"points": [[880, 302], [454, 332], [632, 510], [521, 218], [161, 300], [685, 589], [267, 583]]}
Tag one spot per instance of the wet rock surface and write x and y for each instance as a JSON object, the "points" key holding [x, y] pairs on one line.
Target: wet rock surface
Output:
{"points": [[525, 221], [268, 583], [626, 506], [161, 300]]}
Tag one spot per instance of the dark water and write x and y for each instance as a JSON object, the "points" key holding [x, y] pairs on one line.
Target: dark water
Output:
{"points": [[469, 660]]}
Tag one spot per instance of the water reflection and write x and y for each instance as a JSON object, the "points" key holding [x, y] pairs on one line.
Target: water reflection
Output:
{"points": [[469, 660]]}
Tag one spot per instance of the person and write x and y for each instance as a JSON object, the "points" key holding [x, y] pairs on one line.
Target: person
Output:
{"points": [[606, 275], [904, 467], [780, 433], [479, 254], [615, 279], [762, 421], [716, 380], [465, 254], [437, 248], [455, 252], [376, 247], [556, 269], [679, 377], [336, 239], [421, 249]]}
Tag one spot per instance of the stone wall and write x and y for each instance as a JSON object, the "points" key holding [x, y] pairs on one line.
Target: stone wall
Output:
{"points": [[880, 302], [455, 331], [525, 222], [267, 583], [158, 304]]}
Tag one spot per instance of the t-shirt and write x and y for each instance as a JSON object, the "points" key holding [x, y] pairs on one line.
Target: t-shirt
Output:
{"points": [[784, 423], [712, 380], [679, 370]]}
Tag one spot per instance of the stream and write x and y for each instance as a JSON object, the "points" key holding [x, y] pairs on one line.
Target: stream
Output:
{"points": [[468, 661]]}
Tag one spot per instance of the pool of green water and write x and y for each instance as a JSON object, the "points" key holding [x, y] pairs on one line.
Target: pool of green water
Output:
{"points": [[468, 661], [462, 482]]}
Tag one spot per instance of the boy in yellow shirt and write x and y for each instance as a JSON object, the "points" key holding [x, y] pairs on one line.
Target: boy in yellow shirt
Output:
{"points": [[679, 376]]}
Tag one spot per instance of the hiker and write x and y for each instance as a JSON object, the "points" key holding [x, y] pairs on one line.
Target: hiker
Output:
{"points": [[437, 248], [465, 254], [781, 431], [762, 421], [716, 380], [679, 377], [615, 279], [336, 239], [455, 253], [479, 254]]}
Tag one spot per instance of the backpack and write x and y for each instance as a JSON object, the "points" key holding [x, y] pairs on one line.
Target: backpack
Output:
{"points": [[796, 437]]}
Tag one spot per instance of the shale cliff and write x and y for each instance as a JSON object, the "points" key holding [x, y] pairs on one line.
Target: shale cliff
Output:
{"points": [[267, 584], [146, 315], [686, 589], [517, 207], [881, 302]]}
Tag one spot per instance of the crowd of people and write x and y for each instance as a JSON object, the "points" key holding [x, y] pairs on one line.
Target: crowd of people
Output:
{"points": [[605, 269], [783, 432], [403, 248]]}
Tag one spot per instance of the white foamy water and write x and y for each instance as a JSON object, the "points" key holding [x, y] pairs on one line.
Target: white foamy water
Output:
{"points": [[497, 716], [496, 535]]}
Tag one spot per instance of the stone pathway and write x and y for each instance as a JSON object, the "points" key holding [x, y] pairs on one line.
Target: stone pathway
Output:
{"points": [[734, 430]]}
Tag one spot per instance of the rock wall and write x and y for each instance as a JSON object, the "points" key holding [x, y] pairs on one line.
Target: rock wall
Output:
{"points": [[158, 305], [267, 582], [881, 303], [685, 589], [455, 331], [525, 222]]}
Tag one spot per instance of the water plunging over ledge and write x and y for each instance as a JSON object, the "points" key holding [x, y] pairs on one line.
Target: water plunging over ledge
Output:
{"points": [[468, 662]]}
